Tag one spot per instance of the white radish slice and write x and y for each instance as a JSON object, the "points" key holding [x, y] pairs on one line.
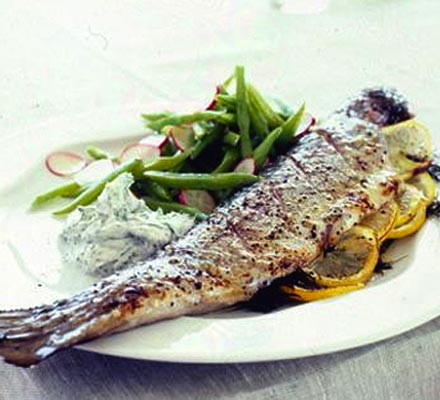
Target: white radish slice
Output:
{"points": [[95, 171], [144, 152], [200, 199], [246, 166], [182, 137], [64, 163], [306, 123], [155, 140]]}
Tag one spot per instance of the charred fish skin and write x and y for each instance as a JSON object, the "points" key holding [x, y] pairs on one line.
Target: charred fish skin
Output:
{"points": [[328, 182], [381, 106]]}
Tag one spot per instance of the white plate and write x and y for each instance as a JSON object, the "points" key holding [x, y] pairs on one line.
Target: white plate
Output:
{"points": [[32, 271]]}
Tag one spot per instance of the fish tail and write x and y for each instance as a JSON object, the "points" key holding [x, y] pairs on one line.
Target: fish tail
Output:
{"points": [[113, 305], [29, 336]]}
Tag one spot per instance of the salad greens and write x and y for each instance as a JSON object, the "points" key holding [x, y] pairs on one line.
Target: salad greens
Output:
{"points": [[212, 152]]}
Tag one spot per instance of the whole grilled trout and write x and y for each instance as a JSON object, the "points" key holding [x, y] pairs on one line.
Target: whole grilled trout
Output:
{"points": [[331, 179]]}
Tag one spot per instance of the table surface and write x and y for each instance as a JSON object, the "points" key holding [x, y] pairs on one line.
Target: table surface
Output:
{"points": [[70, 57]]}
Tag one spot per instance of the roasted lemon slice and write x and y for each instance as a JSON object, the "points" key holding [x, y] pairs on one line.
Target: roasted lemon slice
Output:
{"points": [[426, 185], [351, 262], [408, 203], [410, 227], [299, 293], [382, 221], [409, 146]]}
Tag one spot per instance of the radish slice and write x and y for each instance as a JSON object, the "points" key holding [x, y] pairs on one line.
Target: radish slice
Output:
{"points": [[155, 140], [246, 166], [145, 152], [95, 171], [306, 123], [182, 137], [200, 199], [213, 103], [64, 163]]}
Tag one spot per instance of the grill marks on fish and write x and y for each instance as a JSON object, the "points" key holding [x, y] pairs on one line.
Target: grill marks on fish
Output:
{"points": [[331, 180]]}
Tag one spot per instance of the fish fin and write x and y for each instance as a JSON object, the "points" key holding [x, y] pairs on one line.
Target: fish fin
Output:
{"points": [[22, 341], [29, 336]]}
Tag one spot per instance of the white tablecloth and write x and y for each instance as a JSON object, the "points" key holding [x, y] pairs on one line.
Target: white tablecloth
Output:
{"points": [[61, 57]]}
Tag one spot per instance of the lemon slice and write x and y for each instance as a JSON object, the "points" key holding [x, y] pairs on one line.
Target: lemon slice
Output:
{"points": [[426, 185], [382, 221], [352, 261], [409, 146], [410, 227], [408, 203], [299, 293]]}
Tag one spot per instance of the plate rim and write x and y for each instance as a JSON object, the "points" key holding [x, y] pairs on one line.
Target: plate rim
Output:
{"points": [[100, 346]]}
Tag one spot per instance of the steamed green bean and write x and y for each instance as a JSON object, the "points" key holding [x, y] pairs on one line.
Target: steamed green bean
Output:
{"points": [[262, 151], [91, 193], [273, 119], [174, 120], [231, 138], [243, 112], [71, 189], [229, 161], [217, 181], [96, 153], [290, 127]]}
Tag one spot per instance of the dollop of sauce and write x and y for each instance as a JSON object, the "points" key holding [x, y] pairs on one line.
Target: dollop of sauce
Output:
{"points": [[118, 230]]}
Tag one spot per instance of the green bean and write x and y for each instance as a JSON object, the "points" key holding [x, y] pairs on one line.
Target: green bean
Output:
{"points": [[259, 123], [156, 116], [199, 130], [273, 119], [207, 140], [167, 163], [71, 189], [290, 127], [155, 189], [88, 196], [201, 181], [243, 112], [224, 86], [227, 119], [73, 195], [167, 207], [231, 138], [263, 149], [96, 153], [230, 159], [174, 120], [228, 101]]}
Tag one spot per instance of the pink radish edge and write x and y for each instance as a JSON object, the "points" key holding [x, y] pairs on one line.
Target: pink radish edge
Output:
{"points": [[182, 137], [306, 123], [246, 166], [200, 199], [64, 163], [213, 103], [155, 140], [145, 152]]}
